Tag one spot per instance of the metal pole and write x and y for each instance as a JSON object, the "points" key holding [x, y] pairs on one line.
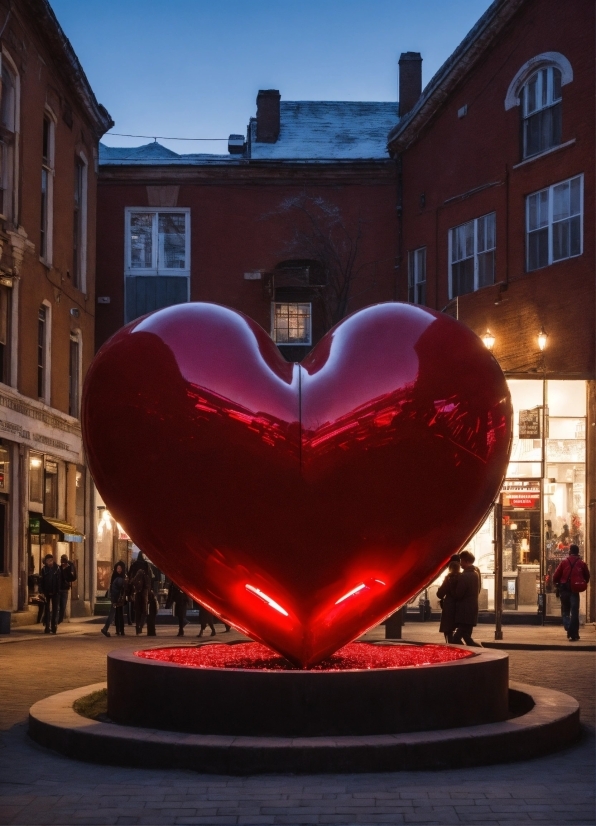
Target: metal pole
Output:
{"points": [[498, 544], [542, 490]]}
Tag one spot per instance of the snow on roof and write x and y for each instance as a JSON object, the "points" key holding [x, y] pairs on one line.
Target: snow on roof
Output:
{"points": [[309, 131], [333, 130], [153, 153]]}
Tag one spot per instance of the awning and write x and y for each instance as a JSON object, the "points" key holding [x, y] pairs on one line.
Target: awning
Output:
{"points": [[69, 532]]}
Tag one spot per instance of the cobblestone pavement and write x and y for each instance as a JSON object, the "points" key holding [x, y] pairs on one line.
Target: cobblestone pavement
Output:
{"points": [[39, 787]]}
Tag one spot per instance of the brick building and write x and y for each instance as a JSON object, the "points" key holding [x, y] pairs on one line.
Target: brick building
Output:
{"points": [[496, 205], [50, 124]]}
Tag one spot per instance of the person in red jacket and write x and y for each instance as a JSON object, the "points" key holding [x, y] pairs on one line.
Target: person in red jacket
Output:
{"points": [[570, 570]]}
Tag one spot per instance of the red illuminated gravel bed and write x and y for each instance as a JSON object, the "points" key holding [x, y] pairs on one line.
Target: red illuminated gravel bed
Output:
{"points": [[355, 656]]}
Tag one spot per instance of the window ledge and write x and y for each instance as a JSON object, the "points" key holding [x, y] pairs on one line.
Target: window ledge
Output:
{"points": [[543, 154]]}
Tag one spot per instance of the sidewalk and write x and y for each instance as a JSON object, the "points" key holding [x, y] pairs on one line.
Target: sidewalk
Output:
{"points": [[515, 637], [520, 637]]}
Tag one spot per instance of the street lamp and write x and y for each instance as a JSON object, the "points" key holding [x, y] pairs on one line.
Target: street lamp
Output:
{"points": [[489, 340], [542, 337], [542, 340]]}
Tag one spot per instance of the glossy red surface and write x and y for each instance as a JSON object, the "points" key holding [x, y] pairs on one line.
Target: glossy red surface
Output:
{"points": [[303, 503], [355, 655]]}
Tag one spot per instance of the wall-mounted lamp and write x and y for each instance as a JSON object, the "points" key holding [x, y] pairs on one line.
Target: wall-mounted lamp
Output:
{"points": [[489, 340], [542, 337]]}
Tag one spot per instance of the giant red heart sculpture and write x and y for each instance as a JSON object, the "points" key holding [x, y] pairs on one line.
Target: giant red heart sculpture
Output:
{"points": [[303, 503]]}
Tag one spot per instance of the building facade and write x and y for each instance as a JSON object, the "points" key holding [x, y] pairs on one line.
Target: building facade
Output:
{"points": [[294, 226], [50, 125], [496, 205]]}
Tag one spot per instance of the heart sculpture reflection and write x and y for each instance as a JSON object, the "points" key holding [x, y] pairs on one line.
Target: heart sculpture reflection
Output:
{"points": [[303, 503]]}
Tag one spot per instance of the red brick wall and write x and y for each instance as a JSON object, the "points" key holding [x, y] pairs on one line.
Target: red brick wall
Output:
{"points": [[41, 84], [237, 227], [455, 156]]}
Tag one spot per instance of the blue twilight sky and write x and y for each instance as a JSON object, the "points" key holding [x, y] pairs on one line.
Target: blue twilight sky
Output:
{"points": [[192, 68]]}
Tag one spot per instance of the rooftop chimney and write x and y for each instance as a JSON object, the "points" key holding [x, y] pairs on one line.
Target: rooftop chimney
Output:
{"points": [[410, 81], [268, 115]]}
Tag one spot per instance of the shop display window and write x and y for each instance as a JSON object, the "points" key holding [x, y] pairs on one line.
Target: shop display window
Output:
{"points": [[543, 497], [36, 477]]}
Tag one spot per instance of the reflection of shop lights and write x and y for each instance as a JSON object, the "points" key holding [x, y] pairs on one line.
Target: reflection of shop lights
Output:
{"points": [[35, 463], [257, 592], [513, 526]]}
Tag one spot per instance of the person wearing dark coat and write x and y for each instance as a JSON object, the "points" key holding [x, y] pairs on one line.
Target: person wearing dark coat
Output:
{"points": [[139, 579], [206, 619], [178, 599], [466, 600], [117, 598], [152, 609], [446, 593], [68, 575], [49, 585]]}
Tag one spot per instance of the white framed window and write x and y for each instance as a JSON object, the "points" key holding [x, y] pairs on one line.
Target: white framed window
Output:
{"points": [[554, 223], [44, 340], [9, 124], [157, 241], [291, 322], [417, 276], [472, 255], [79, 229], [74, 374], [541, 111], [47, 188]]}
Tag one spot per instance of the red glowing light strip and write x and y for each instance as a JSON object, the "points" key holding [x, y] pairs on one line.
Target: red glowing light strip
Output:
{"points": [[257, 592], [351, 593]]}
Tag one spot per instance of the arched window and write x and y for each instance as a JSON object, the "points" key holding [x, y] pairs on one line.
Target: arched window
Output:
{"points": [[536, 88], [541, 111]]}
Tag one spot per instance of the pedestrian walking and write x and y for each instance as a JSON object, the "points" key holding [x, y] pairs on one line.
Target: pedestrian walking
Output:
{"points": [[117, 599], [571, 578], [68, 575], [179, 601], [49, 585], [466, 600], [139, 586], [152, 609], [206, 619], [446, 595]]}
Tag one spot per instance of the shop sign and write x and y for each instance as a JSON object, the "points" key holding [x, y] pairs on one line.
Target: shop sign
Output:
{"points": [[529, 423], [529, 500], [34, 525], [520, 494]]}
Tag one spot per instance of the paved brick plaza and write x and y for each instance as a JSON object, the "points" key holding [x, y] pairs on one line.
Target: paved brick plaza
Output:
{"points": [[39, 787]]}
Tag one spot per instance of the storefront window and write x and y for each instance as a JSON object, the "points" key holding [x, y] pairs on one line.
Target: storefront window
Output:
{"points": [[36, 477], [4, 470], [536, 534], [50, 489]]}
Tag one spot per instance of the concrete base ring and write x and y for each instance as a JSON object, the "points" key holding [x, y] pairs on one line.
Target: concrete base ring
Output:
{"points": [[547, 721]]}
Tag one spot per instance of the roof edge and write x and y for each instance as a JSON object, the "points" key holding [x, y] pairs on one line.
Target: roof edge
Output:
{"points": [[457, 65], [45, 23]]}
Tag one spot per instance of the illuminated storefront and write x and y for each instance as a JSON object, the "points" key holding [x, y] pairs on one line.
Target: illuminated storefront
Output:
{"points": [[543, 498]]}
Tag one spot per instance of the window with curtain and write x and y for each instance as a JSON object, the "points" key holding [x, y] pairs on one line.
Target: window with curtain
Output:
{"points": [[158, 241], [554, 223], [292, 323], [472, 249], [541, 111]]}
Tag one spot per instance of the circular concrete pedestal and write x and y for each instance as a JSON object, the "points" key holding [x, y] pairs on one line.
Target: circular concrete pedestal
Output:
{"points": [[317, 703]]}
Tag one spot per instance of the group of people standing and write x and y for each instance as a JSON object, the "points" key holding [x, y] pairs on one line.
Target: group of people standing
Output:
{"points": [[458, 595], [134, 592], [459, 592], [55, 582]]}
